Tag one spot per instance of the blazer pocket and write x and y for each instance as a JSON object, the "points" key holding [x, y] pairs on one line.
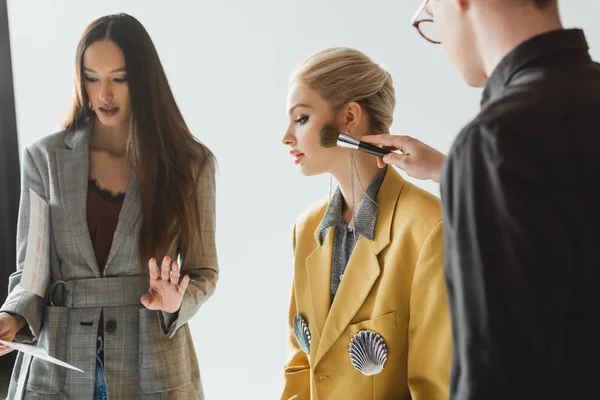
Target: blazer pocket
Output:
{"points": [[45, 377], [379, 324], [164, 363]]}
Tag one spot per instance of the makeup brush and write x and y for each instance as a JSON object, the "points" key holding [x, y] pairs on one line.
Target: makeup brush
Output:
{"points": [[331, 137]]}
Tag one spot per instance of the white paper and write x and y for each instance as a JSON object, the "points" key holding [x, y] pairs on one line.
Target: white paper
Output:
{"points": [[38, 352], [36, 268]]}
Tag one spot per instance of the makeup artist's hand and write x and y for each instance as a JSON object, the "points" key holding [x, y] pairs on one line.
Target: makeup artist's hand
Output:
{"points": [[417, 159], [9, 326], [165, 293]]}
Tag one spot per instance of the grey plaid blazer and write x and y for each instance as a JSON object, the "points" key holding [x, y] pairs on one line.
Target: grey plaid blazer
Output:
{"points": [[148, 354]]}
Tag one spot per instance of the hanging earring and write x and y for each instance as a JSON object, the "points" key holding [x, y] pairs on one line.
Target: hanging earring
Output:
{"points": [[353, 204], [354, 169]]}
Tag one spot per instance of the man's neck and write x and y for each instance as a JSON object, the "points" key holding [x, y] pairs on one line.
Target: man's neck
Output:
{"points": [[499, 31]]}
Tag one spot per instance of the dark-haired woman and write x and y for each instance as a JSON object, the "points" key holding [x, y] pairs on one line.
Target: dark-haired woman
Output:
{"points": [[132, 233]]}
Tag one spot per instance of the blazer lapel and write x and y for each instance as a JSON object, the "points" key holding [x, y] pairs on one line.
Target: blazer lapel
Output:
{"points": [[73, 167], [130, 212], [363, 268], [318, 269], [361, 273]]}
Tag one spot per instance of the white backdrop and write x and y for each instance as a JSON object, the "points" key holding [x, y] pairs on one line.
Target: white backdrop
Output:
{"points": [[228, 63]]}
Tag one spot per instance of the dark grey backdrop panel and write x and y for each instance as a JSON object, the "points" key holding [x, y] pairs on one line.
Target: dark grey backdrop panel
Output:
{"points": [[9, 171]]}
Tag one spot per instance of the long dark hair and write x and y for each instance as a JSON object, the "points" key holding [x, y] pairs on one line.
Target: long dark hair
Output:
{"points": [[164, 155]]}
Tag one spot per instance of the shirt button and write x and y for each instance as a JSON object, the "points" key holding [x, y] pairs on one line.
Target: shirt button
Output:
{"points": [[341, 276], [111, 326]]}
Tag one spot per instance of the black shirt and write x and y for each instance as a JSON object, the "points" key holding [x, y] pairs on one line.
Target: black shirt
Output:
{"points": [[522, 222]]}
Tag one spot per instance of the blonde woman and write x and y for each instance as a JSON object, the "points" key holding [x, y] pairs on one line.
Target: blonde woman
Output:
{"points": [[368, 314]]}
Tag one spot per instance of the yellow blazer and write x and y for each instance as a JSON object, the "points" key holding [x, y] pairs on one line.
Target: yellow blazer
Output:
{"points": [[393, 285]]}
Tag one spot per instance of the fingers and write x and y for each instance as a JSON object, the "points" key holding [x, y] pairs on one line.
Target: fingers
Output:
{"points": [[149, 302], [5, 350], [165, 291], [168, 272], [175, 271], [9, 326], [394, 142], [378, 140], [396, 159], [165, 270], [153, 269], [184, 284]]}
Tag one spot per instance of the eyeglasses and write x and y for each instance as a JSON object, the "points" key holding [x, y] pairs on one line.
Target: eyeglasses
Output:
{"points": [[426, 27]]}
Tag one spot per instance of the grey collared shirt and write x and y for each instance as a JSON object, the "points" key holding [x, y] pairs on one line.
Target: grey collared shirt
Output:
{"points": [[363, 224]]}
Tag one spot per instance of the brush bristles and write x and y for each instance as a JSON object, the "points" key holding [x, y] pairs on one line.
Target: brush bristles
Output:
{"points": [[329, 136]]}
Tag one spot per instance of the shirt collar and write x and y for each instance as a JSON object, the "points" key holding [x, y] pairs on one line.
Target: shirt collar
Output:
{"points": [[366, 213], [529, 51]]}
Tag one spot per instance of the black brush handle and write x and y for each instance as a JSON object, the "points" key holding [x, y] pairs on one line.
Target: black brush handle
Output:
{"points": [[372, 149]]}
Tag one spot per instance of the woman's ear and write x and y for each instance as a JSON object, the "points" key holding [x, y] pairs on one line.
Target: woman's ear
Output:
{"points": [[351, 117]]}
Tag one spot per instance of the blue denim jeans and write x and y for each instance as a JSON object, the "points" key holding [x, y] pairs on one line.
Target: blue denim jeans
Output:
{"points": [[100, 390]]}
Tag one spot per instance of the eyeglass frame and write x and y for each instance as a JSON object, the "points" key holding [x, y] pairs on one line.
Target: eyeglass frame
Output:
{"points": [[415, 21]]}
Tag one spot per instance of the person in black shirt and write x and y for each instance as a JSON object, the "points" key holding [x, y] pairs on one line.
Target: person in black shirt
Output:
{"points": [[521, 218]]}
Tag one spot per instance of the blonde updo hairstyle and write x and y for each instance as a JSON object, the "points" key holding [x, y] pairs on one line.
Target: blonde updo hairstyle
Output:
{"points": [[341, 75]]}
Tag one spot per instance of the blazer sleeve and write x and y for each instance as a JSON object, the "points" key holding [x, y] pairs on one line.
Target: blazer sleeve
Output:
{"points": [[20, 301], [296, 372], [203, 267], [429, 330]]}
